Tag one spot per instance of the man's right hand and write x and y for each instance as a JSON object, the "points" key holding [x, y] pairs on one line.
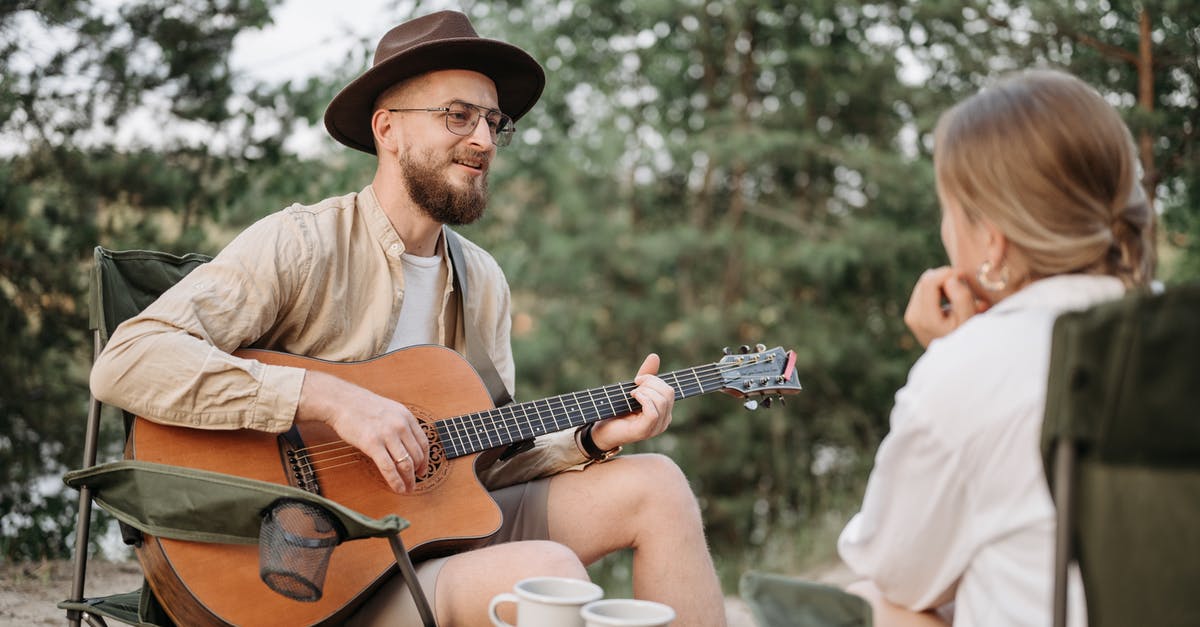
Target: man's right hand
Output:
{"points": [[384, 430]]}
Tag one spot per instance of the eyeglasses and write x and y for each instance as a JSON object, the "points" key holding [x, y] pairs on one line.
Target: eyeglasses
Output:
{"points": [[463, 117]]}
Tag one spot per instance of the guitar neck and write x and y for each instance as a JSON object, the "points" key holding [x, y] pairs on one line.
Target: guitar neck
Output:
{"points": [[501, 426]]}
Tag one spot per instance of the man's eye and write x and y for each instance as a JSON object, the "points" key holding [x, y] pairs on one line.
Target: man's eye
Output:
{"points": [[459, 116]]}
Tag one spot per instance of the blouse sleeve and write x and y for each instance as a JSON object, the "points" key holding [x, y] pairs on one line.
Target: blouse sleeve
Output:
{"points": [[910, 537]]}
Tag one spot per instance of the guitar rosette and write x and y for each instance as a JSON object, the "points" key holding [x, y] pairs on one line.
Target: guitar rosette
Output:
{"points": [[294, 544]]}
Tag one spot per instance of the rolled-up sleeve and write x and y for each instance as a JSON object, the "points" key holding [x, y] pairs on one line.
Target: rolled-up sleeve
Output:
{"points": [[172, 363], [909, 537]]}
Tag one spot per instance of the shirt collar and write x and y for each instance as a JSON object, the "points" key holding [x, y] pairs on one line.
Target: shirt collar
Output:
{"points": [[1063, 292]]}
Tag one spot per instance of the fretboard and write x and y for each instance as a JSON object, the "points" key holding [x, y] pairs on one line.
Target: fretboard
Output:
{"points": [[472, 433]]}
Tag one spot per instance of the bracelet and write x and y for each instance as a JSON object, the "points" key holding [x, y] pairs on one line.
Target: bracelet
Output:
{"points": [[587, 445]]}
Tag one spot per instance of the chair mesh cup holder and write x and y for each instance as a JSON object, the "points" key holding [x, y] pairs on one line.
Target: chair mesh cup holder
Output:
{"points": [[294, 544]]}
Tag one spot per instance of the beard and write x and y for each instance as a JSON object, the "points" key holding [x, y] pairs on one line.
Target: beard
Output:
{"points": [[428, 187]]}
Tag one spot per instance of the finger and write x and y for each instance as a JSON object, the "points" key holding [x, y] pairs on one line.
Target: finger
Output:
{"points": [[415, 442], [649, 366], [926, 295], [962, 300], [647, 400], [390, 468], [657, 412]]}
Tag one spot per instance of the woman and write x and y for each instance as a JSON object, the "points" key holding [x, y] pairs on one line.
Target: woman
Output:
{"points": [[1042, 213]]}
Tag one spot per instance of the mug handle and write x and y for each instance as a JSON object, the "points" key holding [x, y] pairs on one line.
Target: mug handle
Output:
{"points": [[503, 597]]}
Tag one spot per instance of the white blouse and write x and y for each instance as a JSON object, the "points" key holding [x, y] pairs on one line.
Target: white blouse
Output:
{"points": [[957, 507]]}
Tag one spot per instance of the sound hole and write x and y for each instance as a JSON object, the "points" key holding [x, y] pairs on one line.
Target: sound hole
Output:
{"points": [[436, 469]]}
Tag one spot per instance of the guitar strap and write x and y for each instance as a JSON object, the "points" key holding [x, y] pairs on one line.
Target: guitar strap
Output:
{"points": [[477, 355]]}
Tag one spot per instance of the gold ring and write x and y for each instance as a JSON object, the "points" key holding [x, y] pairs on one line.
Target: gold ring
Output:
{"points": [[401, 460]]}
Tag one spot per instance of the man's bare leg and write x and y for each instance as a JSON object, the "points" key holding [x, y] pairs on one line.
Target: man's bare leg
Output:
{"points": [[468, 581], [642, 502]]}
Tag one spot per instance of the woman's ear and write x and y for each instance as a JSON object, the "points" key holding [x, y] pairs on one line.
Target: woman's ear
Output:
{"points": [[995, 243]]}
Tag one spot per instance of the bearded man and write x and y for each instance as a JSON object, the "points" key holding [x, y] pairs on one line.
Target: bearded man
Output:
{"points": [[357, 276]]}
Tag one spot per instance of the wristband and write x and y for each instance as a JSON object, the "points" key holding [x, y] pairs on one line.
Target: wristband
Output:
{"points": [[588, 445]]}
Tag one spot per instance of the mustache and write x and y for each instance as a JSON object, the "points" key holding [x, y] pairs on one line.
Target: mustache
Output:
{"points": [[483, 158]]}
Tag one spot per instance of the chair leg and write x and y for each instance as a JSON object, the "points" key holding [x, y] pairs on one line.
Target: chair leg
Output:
{"points": [[410, 579], [1064, 466], [83, 521]]}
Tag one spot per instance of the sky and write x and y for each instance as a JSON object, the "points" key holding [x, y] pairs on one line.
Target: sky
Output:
{"points": [[311, 37]]}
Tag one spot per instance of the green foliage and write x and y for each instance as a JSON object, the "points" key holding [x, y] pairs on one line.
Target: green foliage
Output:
{"points": [[698, 174], [67, 183], [719, 174], [1101, 42]]}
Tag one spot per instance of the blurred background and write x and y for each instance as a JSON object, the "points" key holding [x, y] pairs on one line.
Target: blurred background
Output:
{"points": [[698, 174]]}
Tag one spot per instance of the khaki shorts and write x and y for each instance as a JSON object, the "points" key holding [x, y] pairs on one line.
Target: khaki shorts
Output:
{"points": [[525, 518]]}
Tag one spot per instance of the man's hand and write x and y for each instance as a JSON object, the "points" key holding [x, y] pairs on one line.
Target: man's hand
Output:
{"points": [[384, 430], [656, 398]]}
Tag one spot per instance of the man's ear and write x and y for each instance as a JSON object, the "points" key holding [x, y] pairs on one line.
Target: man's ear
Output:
{"points": [[384, 131]]}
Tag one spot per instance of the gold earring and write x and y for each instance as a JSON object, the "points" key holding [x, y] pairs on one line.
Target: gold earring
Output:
{"points": [[992, 285]]}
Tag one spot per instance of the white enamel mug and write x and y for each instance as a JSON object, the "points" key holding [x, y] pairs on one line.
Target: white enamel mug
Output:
{"points": [[626, 613], [546, 602]]}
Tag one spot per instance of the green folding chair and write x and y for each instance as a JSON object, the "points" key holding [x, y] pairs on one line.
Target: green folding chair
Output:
{"points": [[783, 601], [295, 529], [1121, 447]]}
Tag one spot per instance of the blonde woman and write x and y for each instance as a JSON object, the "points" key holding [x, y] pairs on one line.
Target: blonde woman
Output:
{"points": [[1042, 213]]}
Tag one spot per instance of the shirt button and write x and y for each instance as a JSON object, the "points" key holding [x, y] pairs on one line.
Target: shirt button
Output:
{"points": [[394, 247]]}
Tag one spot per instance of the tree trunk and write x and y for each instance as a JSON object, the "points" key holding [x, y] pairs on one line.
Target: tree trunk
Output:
{"points": [[1145, 68]]}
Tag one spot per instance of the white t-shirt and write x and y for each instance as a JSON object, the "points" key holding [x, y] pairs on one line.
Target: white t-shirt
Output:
{"points": [[424, 285], [957, 507]]}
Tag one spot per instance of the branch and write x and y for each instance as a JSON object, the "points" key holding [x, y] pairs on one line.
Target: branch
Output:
{"points": [[1104, 48]]}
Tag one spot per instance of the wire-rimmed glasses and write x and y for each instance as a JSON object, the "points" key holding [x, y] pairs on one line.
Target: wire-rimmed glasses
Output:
{"points": [[463, 117]]}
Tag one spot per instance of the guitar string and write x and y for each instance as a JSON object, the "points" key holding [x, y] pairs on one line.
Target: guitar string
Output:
{"points": [[340, 445], [353, 456], [346, 455], [316, 457]]}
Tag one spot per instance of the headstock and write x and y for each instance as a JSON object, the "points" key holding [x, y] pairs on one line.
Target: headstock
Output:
{"points": [[759, 373]]}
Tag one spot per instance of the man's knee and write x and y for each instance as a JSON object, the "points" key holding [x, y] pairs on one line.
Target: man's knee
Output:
{"points": [[662, 483], [546, 558]]}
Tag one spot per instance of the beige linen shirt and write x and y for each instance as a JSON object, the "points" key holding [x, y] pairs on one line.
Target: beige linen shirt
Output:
{"points": [[324, 281]]}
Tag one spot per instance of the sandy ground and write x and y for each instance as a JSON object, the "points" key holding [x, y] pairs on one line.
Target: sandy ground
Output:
{"points": [[30, 591]]}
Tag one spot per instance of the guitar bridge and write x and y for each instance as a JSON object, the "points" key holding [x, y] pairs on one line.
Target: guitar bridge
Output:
{"points": [[297, 463]]}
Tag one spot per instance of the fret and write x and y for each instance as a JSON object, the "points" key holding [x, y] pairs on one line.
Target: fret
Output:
{"points": [[699, 384], [563, 412], [595, 408], [472, 433]]}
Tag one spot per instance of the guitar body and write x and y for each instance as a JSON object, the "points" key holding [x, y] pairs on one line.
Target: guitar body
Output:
{"points": [[202, 583]]}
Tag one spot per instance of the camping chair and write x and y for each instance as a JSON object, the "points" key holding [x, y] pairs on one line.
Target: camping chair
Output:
{"points": [[782, 601], [1121, 447], [296, 529]]}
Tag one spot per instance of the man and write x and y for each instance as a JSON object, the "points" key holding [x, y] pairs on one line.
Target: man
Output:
{"points": [[355, 276]]}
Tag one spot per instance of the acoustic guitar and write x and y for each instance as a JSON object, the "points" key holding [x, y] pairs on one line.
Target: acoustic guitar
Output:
{"points": [[450, 511]]}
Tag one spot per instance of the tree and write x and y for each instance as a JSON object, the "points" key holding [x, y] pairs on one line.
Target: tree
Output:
{"points": [[82, 166], [1142, 56], [720, 173]]}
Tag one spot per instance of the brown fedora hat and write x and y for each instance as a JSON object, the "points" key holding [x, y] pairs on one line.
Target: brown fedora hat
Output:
{"points": [[439, 41]]}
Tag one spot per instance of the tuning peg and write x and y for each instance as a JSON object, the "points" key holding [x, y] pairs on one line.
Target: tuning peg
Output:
{"points": [[767, 402], [762, 348], [745, 348], [751, 404], [782, 400], [727, 350]]}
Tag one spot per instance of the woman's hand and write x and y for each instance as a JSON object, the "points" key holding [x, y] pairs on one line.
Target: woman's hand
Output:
{"points": [[941, 301]]}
